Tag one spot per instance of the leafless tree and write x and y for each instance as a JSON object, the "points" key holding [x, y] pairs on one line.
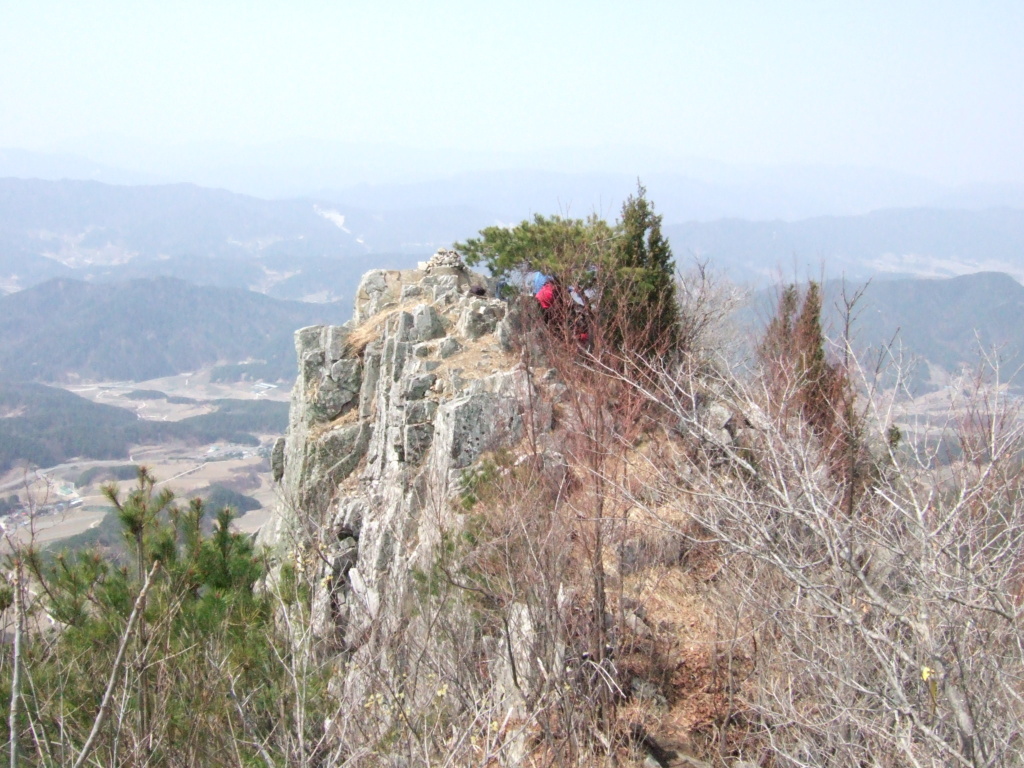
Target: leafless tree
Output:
{"points": [[884, 625]]}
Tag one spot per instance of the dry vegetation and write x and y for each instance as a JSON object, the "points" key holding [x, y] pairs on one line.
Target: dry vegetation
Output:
{"points": [[693, 568], [700, 566]]}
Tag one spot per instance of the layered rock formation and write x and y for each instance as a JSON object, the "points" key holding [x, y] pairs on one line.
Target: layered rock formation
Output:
{"points": [[387, 414]]}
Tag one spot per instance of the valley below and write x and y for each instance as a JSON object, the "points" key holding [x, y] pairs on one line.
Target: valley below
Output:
{"points": [[462, 487], [66, 500]]}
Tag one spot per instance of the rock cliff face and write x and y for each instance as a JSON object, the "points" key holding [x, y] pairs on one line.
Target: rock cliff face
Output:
{"points": [[387, 414]]}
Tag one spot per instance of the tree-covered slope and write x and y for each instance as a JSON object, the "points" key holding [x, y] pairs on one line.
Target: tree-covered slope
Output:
{"points": [[947, 322], [44, 426], [142, 329]]}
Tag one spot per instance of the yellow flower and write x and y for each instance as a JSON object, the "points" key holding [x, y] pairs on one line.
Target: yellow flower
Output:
{"points": [[926, 672]]}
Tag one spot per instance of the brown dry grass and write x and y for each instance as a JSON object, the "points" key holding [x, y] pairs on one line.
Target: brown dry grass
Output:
{"points": [[372, 330], [351, 416], [680, 652]]}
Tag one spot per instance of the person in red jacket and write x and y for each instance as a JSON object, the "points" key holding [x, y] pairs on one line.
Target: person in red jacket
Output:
{"points": [[557, 308], [549, 296]]}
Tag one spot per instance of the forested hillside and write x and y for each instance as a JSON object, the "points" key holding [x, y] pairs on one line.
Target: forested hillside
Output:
{"points": [[66, 330], [949, 323], [935, 328], [44, 426]]}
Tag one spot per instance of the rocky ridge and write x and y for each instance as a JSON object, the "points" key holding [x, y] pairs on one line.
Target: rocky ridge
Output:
{"points": [[391, 414], [388, 412]]}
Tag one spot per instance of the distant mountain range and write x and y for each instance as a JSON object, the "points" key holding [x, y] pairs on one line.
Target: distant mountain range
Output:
{"points": [[920, 242], [789, 194], [68, 330], [318, 249], [502, 184], [95, 273], [296, 249], [950, 324]]}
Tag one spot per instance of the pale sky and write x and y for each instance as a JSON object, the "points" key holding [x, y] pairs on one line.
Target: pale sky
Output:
{"points": [[932, 88]]}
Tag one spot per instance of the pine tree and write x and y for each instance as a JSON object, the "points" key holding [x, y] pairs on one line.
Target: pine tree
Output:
{"points": [[184, 605], [628, 268], [644, 279], [803, 383]]}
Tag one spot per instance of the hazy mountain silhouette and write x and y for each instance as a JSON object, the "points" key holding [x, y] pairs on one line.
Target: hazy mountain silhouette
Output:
{"points": [[900, 242], [98, 232], [68, 330], [936, 328]]}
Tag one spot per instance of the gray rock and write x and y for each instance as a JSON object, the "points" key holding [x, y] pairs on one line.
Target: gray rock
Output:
{"points": [[385, 550], [473, 424], [416, 387], [375, 492], [349, 518], [445, 258], [277, 460], [337, 443], [505, 339], [420, 412], [346, 557], [347, 374], [427, 324], [310, 352], [373, 282], [446, 288], [338, 453], [375, 294], [393, 357], [717, 416], [335, 342], [417, 440], [480, 317], [308, 341], [371, 377], [336, 392], [450, 346]]}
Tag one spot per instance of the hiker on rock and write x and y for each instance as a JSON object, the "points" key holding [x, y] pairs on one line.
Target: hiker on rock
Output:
{"points": [[549, 295], [559, 307]]}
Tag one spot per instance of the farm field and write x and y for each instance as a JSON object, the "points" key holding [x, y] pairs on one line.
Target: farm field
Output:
{"points": [[67, 499]]}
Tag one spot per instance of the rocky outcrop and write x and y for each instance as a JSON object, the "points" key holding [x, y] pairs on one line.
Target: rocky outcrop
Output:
{"points": [[388, 413], [391, 416]]}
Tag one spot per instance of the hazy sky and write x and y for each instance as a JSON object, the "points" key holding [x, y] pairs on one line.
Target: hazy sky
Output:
{"points": [[934, 88]]}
